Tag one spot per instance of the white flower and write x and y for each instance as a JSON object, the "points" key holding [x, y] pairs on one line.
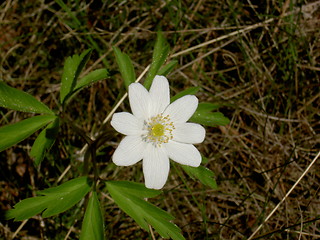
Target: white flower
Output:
{"points": [[157, 131]]}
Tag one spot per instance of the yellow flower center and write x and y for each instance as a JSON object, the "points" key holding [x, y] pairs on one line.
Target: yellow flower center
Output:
{"points": [[158, 130]]}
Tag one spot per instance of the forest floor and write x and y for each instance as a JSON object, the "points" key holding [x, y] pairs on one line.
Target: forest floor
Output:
{"points": [[258, 60]]}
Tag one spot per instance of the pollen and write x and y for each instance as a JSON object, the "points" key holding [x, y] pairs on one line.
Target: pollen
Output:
{"points": [[158, 130]]}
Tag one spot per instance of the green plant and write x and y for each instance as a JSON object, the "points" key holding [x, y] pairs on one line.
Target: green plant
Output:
{"points": [[129, 196]]}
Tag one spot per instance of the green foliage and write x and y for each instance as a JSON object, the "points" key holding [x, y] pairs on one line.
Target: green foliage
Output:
{"points": [[44, 141], [20, 101], [166, 69], [14, 133], [90, 78], [92, 225], [130, 198], [72, 68], [189, 91], [203, 174], [125, 66], [160, 53], [53, 200], [205, 116]]}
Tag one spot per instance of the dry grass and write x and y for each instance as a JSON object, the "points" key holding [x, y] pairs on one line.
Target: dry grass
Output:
{"points": [[259, 59]]}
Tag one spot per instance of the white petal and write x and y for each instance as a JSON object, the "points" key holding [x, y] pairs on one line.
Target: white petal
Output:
{"points": [[139, 99], [183, 153], [182, 109], [130, 151], [188, 133], [160, 95], [156, 167], [126, 123]]}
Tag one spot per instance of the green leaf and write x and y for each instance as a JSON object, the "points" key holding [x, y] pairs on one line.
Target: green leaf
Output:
{"points": [[53, 201], [125, 65], [72, 68], [20, 101], [14, 133], [130, 198], [210, 119], [203, 174], [91, 77], [166, 69], [204, 116], [160, 54], [44, 141], [189, 91], [92, 225], [136, 189]]}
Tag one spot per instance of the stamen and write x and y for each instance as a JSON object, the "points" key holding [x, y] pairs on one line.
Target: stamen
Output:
{"points": [[158, 130]]}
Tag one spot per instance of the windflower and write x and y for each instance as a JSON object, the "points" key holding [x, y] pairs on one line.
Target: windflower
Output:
{"points": [[157, 131]]}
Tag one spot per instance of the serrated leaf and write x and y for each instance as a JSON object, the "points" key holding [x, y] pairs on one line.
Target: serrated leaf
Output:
{"points": [[204, 116], [18, 100], [130, 198], [92, 225], [211, 119], [44, 141], [166, 69], [53, 201], [203, 174], [160, 54], [136, 189], [14, 133], [91, 77], [189, 91], [125, 65], [72, 68]]}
